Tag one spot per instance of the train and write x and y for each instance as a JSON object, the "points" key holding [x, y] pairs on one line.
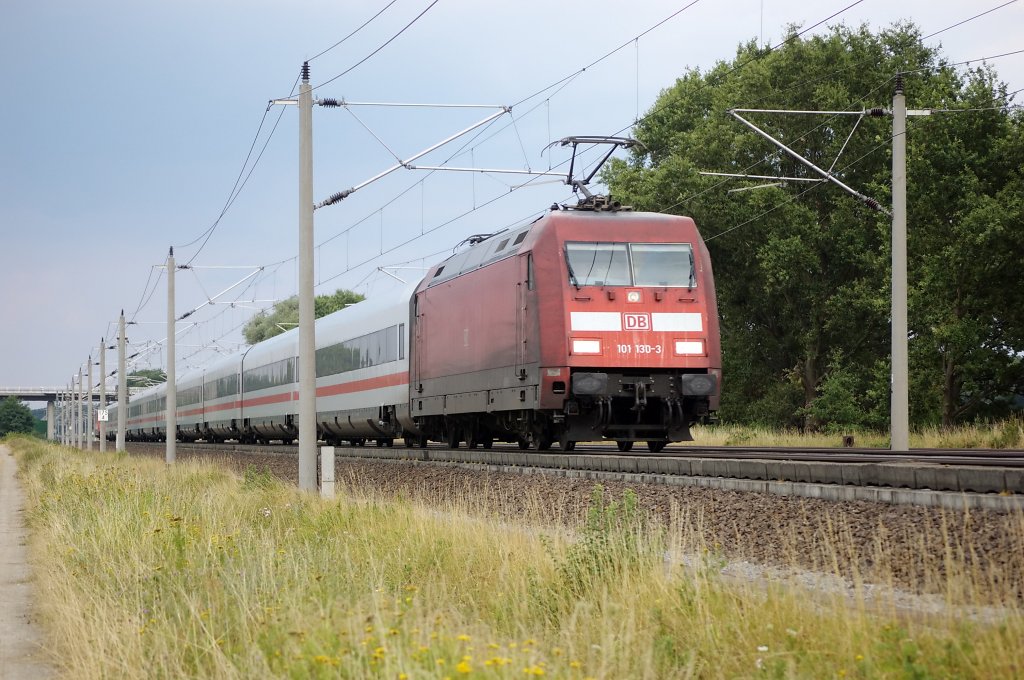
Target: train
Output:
{"points": [[591, 323]]}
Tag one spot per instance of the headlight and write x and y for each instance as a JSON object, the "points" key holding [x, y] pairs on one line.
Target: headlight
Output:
{"points": [[586, 346], [689, 347]]}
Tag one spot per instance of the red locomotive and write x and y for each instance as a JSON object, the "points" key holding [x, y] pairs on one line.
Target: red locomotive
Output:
{"points": [[587, 324]]}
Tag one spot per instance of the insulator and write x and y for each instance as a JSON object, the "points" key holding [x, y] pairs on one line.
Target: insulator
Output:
{"points": [[305, 71], [876, 112], [329, 103], [873, 204], [334, 198]]}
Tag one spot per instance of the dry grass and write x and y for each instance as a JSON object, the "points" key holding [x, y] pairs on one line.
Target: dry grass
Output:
{"points": [[1007, 434], [190, 571]]}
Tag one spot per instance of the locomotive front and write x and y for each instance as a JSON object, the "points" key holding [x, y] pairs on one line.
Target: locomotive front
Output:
{"points": [[629, 344]]}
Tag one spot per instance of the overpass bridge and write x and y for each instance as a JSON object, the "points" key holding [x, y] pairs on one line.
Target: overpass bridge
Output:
{"points": [[50, 395]]}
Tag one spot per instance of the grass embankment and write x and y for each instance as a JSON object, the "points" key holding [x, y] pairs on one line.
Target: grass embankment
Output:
{"points": [[1007, 434], [190, 571]]}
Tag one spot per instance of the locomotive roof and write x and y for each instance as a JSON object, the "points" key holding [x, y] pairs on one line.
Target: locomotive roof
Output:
{"points": [[508, 242]]}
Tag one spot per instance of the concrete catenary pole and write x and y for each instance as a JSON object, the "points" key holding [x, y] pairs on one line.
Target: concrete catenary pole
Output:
{"points": [[122, 385], [78, 411], [307, 342], [88, 407], [67, 415], [64, 418], [900, 405], [172, 395], [103, 394], [51, 425]]}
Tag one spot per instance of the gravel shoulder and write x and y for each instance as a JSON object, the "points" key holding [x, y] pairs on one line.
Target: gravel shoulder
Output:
{"points": [[22, 643]]}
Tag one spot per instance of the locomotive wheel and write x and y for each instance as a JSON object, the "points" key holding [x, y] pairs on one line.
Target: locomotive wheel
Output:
{"points": [[565, 443], [475, 439], [543, 443], [656, 446], [624, 446], [453, 438], [523, 444], [424, 440]]}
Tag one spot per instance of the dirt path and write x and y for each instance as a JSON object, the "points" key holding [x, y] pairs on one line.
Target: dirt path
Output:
{"points": [[22, 654]]}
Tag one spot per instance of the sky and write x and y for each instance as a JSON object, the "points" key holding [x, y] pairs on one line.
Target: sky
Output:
{"points": [[128, 126]]}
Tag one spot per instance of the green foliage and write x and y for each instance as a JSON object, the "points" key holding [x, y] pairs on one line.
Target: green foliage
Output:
{"points": [[837, 402], [259, 479], [15, 417], [285, 314], [146, 377], [802, 271], [608, 547]]}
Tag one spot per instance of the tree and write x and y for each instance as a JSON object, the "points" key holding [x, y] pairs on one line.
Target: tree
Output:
{"points": [[146, 377], [802, 271], [285, 314], [15, 417], [967, 302]]}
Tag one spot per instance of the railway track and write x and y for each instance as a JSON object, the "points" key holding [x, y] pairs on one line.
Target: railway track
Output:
{"points": [[1009, 458], [983, 478]]}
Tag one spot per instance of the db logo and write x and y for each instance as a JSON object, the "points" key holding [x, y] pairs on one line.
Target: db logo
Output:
{"points": [[636, 322]]}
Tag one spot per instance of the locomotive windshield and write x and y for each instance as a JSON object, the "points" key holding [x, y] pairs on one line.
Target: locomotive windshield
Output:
{"points": [[630, 264]]}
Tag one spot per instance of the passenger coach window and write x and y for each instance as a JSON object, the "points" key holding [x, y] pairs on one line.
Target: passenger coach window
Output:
{"points": [[271, 375], [630, 264], [372, 349]]}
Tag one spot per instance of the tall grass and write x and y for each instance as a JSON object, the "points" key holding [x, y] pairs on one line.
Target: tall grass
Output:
{"points": [[190, 571], [1006, 434]]}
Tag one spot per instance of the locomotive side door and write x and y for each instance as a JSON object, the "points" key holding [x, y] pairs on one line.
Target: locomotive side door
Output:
{"points": [[418, 340], [524, 284]]}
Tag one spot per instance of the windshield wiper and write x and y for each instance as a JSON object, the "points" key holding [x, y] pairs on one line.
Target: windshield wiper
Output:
{"points": [[693, 273], [572, 274]]}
